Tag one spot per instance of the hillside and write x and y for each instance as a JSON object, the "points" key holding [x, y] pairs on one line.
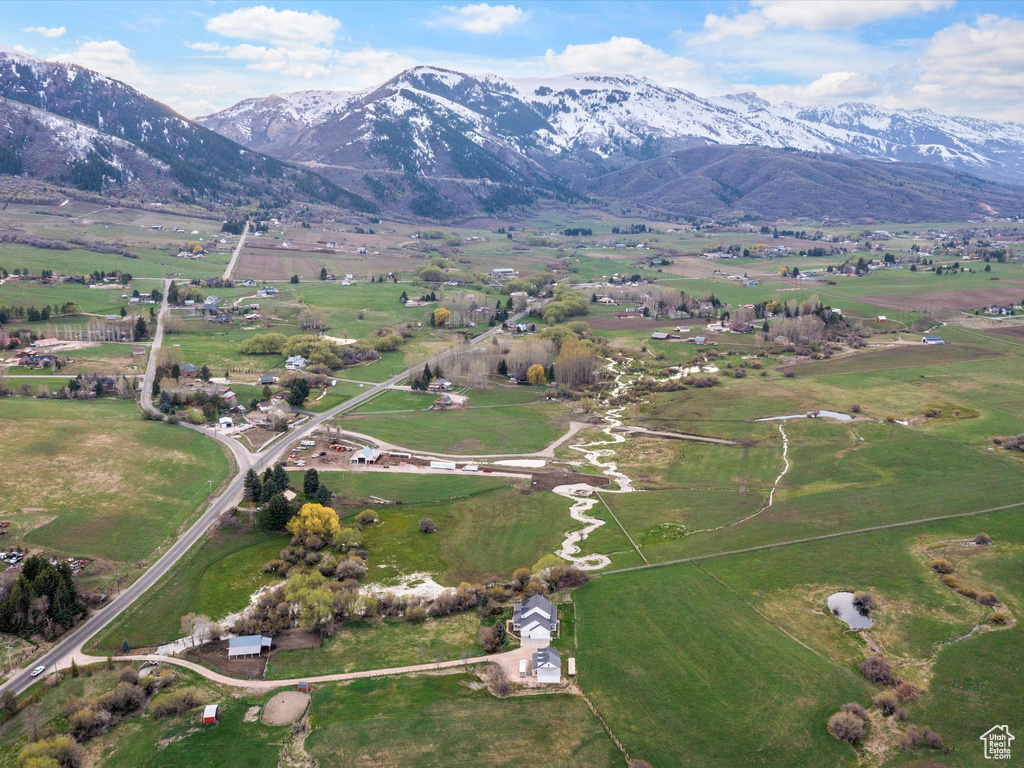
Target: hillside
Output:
{"points": [[764, 183], [71, 125]]}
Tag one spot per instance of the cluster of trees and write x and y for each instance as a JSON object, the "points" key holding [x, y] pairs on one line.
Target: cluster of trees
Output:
{"points": [[43, 599], [421, 382], [578, 232], [567, 303], [35, 315], [533, 285], [319, 351], [632, 229]]}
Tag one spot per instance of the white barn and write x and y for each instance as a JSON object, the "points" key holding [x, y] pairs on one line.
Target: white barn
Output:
{"points": [[247, 645]]}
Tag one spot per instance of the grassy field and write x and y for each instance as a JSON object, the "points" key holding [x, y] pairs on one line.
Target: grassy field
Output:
{"points": [[499, 430], [115, 486], [432, 721], [214, 579], [355, 488], [359, 646]]}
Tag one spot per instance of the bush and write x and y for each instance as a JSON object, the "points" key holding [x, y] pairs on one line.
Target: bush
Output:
{"points": [[886, 702], [572, 577], [87, 722], [427, 525], [489, 639], [417, 614], [855, 709], [855, 408], [497, 680], [129, 675], [941, 565], [367, 517], [986, 598], [950, 581], [999, 617], [864, 602], [983, 539], [877, 670], [174, 703], [125, 698], [906, 692], [60, 749], [350, 568], [917, 736], [847, 727]]}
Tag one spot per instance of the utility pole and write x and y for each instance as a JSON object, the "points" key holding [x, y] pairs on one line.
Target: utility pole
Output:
{"points": [[10, 665]]}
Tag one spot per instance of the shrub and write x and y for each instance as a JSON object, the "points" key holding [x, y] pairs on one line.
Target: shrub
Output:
{"points": [[350, 568], [966, 591], [427, 525], [60, 749], [520, 578], [906, 692], [950, 580], [498, 681], [855, 709], [877, 670], [125, 698], [855, 408], [174, 703], [917, 736], [999, 617], [864, 602], [941, 565], [489, 639], [86, 723], [986, 598], [572, 577], [417, 614], [367, 517], [983, 539], [847, 727], [886, 702], [129, 675]]}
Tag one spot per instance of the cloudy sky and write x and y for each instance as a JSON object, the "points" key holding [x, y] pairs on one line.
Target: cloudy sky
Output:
{"points": [[957, 57]]}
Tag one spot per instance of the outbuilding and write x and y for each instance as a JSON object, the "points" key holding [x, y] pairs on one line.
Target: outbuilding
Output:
{"points": [[365, 455], [932, 340], [210, 714], [547, 666], [247, 646]]}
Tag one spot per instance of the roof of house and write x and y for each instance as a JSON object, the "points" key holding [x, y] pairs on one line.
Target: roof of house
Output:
{"points": [[535, 610], [547, 658], [188, 368], [248, 644]]}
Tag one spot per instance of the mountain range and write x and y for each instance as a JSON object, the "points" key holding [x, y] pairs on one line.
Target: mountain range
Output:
{"points": [[67, 124], [439, 144]]}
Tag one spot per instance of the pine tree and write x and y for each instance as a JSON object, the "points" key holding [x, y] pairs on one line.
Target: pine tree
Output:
{"points": [[404, 297], [323, 494], [310, 483], [280, 478], [253, 487], [427, 375], [323, 273], [275, 514], [502, 367]]}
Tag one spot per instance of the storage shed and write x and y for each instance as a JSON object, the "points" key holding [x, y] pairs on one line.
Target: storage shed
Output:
{"points": [[210, 714]]}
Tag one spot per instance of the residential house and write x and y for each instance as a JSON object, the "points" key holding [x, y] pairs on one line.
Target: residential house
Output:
{"points": [[503, 272], [296, 363], [229, 397], [188, 370], [546, 664], [536, 620], [267, 378], [440, 385]]}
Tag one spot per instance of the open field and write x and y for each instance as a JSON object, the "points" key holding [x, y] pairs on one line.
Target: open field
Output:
{"points": [[213, 580], [429, 721], [93, 455], [499, 430]]}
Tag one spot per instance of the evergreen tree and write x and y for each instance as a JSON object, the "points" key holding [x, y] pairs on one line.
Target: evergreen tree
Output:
{"points": [[280, 478], [267, 392], [323, 273], [323, 494], [404, 297], [275, 515], [299, 392], [502, 367], [310, 483], [204, 373], [253, 486], [427, 375], [140, 329]]}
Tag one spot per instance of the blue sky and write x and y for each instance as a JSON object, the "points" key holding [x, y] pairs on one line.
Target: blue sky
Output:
{"points": [[957, 57]]}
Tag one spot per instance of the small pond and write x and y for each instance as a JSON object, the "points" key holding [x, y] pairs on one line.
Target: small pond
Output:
{"points": [[841, 604]]}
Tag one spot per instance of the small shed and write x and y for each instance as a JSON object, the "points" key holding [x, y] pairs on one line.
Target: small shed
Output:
{"points": [[210, 714], [880, 319], [304, 687], [572, 666], [932, 340], [226, 422]]}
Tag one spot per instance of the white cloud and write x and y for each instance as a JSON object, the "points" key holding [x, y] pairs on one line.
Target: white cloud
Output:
{"points": [[108, 57], [811, 16], [832, 86], [307, 62], [971, 68], [625, 55], [481, 18], [268, 24], [46, 31]]}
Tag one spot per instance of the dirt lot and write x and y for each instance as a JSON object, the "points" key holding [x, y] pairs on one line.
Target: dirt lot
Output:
{"points": [[638, 323], [1011, 330], [215, 656], [285, 707], [291, 639], [959, 300]]}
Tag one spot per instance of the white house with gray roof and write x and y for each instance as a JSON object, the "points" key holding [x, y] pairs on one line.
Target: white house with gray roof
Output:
{"points": [[536, 621], [546, 665]]}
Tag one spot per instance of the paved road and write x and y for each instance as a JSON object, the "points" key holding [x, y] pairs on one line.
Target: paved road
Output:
{"points": [[234, 256], [71, 644]]}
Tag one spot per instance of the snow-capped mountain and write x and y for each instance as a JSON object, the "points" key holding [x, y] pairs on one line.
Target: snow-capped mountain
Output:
{"points": [[71, 125], [419, 119]]}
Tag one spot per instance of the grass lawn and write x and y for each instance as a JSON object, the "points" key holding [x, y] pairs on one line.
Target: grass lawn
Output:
{"points": [[414, 722], [686, 673], [501, 430], [115, 486], [359, 646], [357, 487], [214, 579]]}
